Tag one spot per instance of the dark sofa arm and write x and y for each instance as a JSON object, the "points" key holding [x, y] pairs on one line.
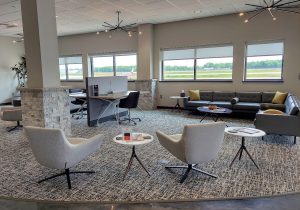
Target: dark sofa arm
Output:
{"points": [[278, 124], [185, 102]]}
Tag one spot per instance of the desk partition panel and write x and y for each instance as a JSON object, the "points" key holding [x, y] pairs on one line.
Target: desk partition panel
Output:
{"points": [[100, 109]]}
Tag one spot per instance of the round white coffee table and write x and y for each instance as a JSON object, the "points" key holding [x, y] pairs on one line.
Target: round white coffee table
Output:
{"points": [[177, 105], [244, 132], [134, 143]]}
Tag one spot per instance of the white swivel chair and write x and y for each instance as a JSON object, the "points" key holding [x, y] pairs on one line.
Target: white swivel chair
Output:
{"points": [[13, 114], [52, 149], [198, 144]]}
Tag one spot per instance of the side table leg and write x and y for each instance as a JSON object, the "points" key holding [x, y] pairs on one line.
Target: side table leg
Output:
{"points": [[140, 162], [203, 117], [129, 163], [237, 154], [251, 158]]}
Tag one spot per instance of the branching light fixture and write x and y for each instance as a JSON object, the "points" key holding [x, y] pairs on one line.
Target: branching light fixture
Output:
{"points": [[20, 38], [119, 27], [271, 6]]}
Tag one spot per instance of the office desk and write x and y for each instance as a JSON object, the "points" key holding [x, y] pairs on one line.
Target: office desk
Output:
{"points": [[105, 107], [78, 95], [113, 96]]}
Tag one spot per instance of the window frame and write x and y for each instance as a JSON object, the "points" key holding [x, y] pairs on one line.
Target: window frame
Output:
{"points": [[195, 64], [114, 61], [246, 58], [67, 69]]}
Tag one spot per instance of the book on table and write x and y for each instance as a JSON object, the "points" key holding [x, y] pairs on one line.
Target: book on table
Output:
{"points": [[246, 130]]}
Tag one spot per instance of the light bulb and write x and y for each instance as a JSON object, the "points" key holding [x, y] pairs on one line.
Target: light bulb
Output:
{"points": [[98, 33], [14, 41], [274, 18], [106, 30], [246, 21], [140, 33], [241, 14]]}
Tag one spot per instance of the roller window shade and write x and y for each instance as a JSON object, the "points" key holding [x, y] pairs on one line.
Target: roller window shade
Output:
{"points": [[214, 52], [74, 60], [268, 49], [178, 54]]}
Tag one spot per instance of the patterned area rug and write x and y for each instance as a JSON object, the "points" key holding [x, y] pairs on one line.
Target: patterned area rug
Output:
{"points": [[277, 157]]}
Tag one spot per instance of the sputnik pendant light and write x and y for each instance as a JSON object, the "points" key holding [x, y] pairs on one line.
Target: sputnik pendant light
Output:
{"points": [[270, 7]]}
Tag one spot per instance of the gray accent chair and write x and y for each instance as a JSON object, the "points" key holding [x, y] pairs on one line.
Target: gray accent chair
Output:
{"points": [[52, 149], [13, 114], [286, 124], [197, 144]]}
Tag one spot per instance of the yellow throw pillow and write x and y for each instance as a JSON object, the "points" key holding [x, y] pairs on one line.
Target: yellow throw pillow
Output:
{"points": [[279, 98], [273, 111], [194, 95]]}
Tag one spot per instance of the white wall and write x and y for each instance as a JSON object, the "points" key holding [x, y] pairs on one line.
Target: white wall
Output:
{"points": [[10, 54], [205, 31], [231, 29]]}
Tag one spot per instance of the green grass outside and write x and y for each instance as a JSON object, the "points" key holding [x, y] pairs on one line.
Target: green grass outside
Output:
{"points": [[223, 74]]}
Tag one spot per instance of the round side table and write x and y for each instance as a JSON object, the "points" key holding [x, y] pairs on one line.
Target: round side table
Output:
{"points": [[244, 132], [177, 105], [134, 143]]}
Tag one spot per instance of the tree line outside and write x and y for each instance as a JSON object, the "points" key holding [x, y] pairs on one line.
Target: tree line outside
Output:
{"points": [[267, 64]]}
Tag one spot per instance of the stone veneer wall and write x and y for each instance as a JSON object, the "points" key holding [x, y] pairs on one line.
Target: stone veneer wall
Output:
{"points": [[47, 107], [148, 93]]}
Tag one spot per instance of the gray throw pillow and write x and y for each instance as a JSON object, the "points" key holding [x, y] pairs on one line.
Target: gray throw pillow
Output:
{"points": [[234, 100]]}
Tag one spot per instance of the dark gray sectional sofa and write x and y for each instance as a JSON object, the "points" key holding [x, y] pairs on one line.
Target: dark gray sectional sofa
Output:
{"points": [[254, 103], [248, 102]]}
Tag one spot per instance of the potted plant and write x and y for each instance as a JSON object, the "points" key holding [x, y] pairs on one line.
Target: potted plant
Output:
{"points": [[21, 72]]}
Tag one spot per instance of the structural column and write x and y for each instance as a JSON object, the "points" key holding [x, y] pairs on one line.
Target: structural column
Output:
{"points": [[44, 102], [145, 84]]}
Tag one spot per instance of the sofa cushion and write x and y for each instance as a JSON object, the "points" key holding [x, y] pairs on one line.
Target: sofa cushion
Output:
{"points": [[279, 98], [206, 95], [273, 111], [246, 106], [194, 95], [265, 106], [225, 104], [197, 103], [249, 96], [267, 97], [223, 96], [292, 107]]}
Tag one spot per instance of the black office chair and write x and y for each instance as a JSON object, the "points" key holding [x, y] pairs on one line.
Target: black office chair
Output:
{"points": [[79, 102], [129, 103]]}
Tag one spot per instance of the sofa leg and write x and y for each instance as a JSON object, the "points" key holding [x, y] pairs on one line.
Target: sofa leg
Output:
{"points": [[295, 139]]}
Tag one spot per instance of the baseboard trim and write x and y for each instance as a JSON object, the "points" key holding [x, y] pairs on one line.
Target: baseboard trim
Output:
{"points": [[166, 107], [4, 104]]}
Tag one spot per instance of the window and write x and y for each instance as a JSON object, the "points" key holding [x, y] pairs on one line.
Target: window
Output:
{"points": [[103, 66], [205, 63], [70, 68], [115, 65], [264, 61]]}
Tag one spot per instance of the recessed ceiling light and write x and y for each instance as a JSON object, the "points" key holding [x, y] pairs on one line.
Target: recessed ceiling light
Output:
{"points": [[56, 16], [98, 33]]}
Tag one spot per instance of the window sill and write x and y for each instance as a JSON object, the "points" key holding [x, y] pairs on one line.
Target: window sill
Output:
{"points": [[71, 80], [264, 80], [207, 80]]}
